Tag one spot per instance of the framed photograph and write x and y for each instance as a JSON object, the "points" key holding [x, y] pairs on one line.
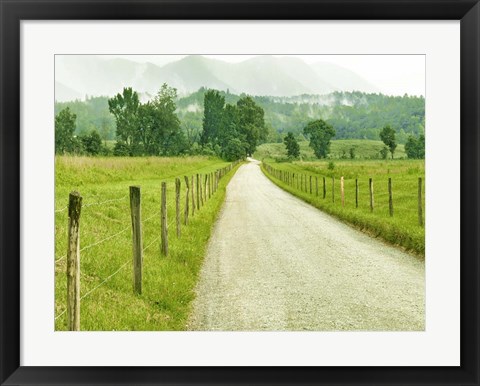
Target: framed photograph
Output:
{"points": [[230, 192]]}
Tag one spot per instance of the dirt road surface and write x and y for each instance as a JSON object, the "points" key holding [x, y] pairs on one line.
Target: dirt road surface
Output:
{"points": [[276, 263]]}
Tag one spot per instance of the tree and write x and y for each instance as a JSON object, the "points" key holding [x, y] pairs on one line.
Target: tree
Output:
{"points": [[124, 108], [387, 135], [148, 125], [293, 148], [320, 133], [64, 130], [251, 123], [352, 152], [92, 143], [213, 103], [168, 134], [415, 147], [234, 150], [384, 152]]}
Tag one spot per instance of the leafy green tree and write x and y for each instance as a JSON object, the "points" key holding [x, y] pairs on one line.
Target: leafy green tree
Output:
{"points": [[169, 137], [92, 143], [234, 149], [387, 135], [251, 123], [124, 108], [148, 125], [230, 126], [213, 104], [421, 146], [191, 123], [292, 146], [120, 149], [352, 152], [64, 132], [92, 112], [320, 134], [415, 147], [384, 152]]}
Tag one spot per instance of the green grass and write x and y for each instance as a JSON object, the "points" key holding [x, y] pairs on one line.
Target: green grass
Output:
{"points": [[402, 229], [168, 282], [364, 149]]}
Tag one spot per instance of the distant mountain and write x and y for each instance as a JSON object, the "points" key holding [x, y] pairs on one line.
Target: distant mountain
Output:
{"points": [[80, 75], [345, 79], [64, 93]]}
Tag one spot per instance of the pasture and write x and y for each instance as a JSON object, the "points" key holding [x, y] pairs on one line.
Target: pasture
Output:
{"points": [[339, 149], [401, 229], [108, 300]]}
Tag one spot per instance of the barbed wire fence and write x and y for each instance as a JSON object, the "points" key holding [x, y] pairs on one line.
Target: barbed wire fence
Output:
{"points": [[316, 185], [196, 195]]}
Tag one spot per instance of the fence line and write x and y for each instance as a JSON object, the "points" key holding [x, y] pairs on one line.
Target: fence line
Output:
{"points": [[304, 183], [105, 280], [96, 243], [204, 182], [105, 202]]}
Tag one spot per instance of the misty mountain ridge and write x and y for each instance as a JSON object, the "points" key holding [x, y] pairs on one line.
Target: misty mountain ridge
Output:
{"points": [[77, 76]]}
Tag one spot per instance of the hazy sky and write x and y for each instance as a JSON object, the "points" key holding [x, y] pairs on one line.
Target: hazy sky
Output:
{"points": [[392, 74]]}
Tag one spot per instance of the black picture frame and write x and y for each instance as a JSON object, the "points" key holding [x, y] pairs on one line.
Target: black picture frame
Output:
{"points": [[13, 11]]}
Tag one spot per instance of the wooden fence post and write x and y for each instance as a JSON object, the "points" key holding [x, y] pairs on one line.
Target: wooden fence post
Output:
{"points": [[209, 186], [137, 242], [205, 188], [324, 188], [192, 188], [177, 205], [356, 192], [164, 230], [333, 189], [342, 191], [420, 208], [73, 261], [197, 186], [200, 183], [390, 198], [370, 186], [186, 199]]}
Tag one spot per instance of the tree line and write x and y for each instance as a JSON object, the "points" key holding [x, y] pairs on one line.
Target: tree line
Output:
{"points": [[353, 115], [320, 134], [230, 131]]}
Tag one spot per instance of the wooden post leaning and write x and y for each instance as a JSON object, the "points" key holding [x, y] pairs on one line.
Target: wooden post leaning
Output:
{"points": [[73, 261]]}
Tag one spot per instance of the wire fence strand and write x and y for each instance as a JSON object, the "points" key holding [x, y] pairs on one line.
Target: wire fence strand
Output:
{"points": [[151, 243], [96, 243], [104, 280], [104, 202]]}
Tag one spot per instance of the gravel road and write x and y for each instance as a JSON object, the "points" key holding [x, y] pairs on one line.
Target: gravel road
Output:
{"points": [[276, 263]]}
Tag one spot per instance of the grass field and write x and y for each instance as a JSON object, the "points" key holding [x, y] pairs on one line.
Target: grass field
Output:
{"points": [[106, 268], [364, 149], [402, 229]]}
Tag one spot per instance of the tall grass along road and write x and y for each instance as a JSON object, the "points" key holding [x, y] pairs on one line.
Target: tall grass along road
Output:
{"points": [[276, 263]]}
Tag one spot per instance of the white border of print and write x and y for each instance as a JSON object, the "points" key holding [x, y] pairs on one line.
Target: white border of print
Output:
{"points": [[439, 345]]}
